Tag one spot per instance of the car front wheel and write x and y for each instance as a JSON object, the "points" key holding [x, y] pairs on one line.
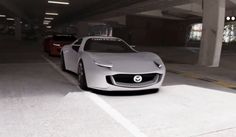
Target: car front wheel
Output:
{"points": [[81, 76], [63, 67]]}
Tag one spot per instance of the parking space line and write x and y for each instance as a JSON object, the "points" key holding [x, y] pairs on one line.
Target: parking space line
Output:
{"points": [[115, 115], [191, 75], [206, 79], [59, 70], [213, 132], [226, 84]]}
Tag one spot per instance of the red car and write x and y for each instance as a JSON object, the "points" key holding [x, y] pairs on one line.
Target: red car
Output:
{"points": [[53, 44]]}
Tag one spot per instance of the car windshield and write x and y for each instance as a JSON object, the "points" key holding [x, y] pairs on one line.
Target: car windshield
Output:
{"points": [[107, 46], [64, 38]]}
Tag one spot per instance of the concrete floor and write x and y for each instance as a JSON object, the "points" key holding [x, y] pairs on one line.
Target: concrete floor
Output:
{"points": [[39, 100]]}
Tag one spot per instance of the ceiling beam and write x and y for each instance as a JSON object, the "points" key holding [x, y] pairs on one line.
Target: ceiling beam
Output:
{"points": [[146, 5], [191, 8], [157, 14], [114, 8], [97, 8]]}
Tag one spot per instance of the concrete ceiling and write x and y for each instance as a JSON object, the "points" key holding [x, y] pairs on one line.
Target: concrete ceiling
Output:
{"points": [[34, 10], [11, 10], [103, 6], [190, 10], [144, 6], [180, 12]]}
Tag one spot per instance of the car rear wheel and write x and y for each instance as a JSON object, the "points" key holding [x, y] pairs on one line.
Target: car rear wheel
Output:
{"points": [[81, 76], [63, 67]]}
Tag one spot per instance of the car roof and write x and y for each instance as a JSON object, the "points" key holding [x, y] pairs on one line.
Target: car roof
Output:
{"points": [[100, 37], [63, 35]]}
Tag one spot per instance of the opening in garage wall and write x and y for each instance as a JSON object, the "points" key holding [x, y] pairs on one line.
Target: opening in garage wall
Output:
{"points": [[229, 35], [150, 31]]}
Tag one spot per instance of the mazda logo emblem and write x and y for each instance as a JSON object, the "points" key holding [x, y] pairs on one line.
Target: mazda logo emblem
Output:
{"points": [[138, 79]]}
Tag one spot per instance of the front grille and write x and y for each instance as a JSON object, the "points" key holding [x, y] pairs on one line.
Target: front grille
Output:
{"points": [[127, 80]]}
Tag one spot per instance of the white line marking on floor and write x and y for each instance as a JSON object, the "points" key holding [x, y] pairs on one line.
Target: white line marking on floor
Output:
{"points": [[59, 70], [117, 116]]}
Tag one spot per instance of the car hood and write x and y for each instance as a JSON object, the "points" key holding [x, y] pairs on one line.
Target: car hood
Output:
{"points": [[128, 62]]}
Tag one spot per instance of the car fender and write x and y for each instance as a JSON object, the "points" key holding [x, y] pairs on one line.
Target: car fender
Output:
{"points": [[95, 75]]}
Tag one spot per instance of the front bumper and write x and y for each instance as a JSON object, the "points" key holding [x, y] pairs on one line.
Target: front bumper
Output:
{"points": [[99, 80]]}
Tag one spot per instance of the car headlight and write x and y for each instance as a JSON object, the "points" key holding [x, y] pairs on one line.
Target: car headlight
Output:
{"points": [[158, 65], [104, 65], [56, 45]]}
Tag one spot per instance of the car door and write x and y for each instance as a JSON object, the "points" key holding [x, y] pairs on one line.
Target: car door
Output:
{"points": [[73, 61]]}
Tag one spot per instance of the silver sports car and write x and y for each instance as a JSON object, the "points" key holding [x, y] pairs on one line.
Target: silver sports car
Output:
{"points": [[110, 64]]}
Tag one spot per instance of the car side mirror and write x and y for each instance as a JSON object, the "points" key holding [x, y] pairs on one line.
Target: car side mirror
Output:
{"points": [[75, 48]]}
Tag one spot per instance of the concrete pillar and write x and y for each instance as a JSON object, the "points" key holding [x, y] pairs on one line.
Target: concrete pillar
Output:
{"points": [[18, 29], [212, 37]]}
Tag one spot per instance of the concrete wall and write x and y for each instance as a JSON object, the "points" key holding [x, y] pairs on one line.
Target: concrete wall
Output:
{"points": [[120, 19], [158, 31], [82, 29]]}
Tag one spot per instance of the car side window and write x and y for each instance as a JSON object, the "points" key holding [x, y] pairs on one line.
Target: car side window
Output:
{"points": [[79, 42], [76, 45]]}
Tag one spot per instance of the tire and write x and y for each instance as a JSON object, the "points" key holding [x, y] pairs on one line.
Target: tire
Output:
{"points": [[63, 67], [81, 76]]}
